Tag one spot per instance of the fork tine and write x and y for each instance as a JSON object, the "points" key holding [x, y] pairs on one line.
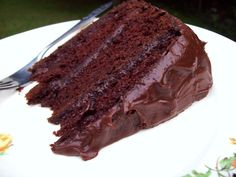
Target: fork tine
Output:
{"points": [[6, 83], [3, 87], [3, 81]]}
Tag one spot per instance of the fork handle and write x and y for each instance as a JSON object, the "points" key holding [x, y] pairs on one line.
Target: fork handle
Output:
{"points": [[83, 22]]}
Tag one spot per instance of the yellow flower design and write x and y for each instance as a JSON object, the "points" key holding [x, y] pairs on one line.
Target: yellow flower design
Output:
{"points": [[5, 142], [232, 140]]}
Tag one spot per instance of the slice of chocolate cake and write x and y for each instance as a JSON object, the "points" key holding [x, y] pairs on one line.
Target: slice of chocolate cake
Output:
{"points": [[134, 68]]}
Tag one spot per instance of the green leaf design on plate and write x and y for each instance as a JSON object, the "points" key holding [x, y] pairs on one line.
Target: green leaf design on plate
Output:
{"points": [[199, 174], [224, 168], [226, 163]]}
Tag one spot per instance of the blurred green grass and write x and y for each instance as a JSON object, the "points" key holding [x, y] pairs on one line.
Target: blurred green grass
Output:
{"points": [[22, 15]]}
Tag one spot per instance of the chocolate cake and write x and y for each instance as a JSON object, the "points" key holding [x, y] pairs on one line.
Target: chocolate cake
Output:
{"points": [[134, 68]]}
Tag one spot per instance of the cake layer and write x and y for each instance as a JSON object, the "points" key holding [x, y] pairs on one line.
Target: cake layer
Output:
{"points": [[146, 68], [60, 62], [87, 44]]}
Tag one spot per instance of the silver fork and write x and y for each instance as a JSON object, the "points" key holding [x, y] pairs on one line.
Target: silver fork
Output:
{"points": [[21, 77]]}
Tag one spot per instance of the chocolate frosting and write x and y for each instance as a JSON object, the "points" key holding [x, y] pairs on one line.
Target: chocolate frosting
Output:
{"points": [[180, 77]]}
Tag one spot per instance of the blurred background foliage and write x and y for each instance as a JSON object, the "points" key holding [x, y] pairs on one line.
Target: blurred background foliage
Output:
{"points": [[21, 15]]}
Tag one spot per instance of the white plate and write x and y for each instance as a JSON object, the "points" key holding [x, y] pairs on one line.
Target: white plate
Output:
{"points": [[195, 137]]}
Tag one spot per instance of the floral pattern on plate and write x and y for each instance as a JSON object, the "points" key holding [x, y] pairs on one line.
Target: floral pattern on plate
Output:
{"points": [[5, 143], [225, 167]]}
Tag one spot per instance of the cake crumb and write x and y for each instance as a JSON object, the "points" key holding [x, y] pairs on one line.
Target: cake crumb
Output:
{"points": [[19, 89]]}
